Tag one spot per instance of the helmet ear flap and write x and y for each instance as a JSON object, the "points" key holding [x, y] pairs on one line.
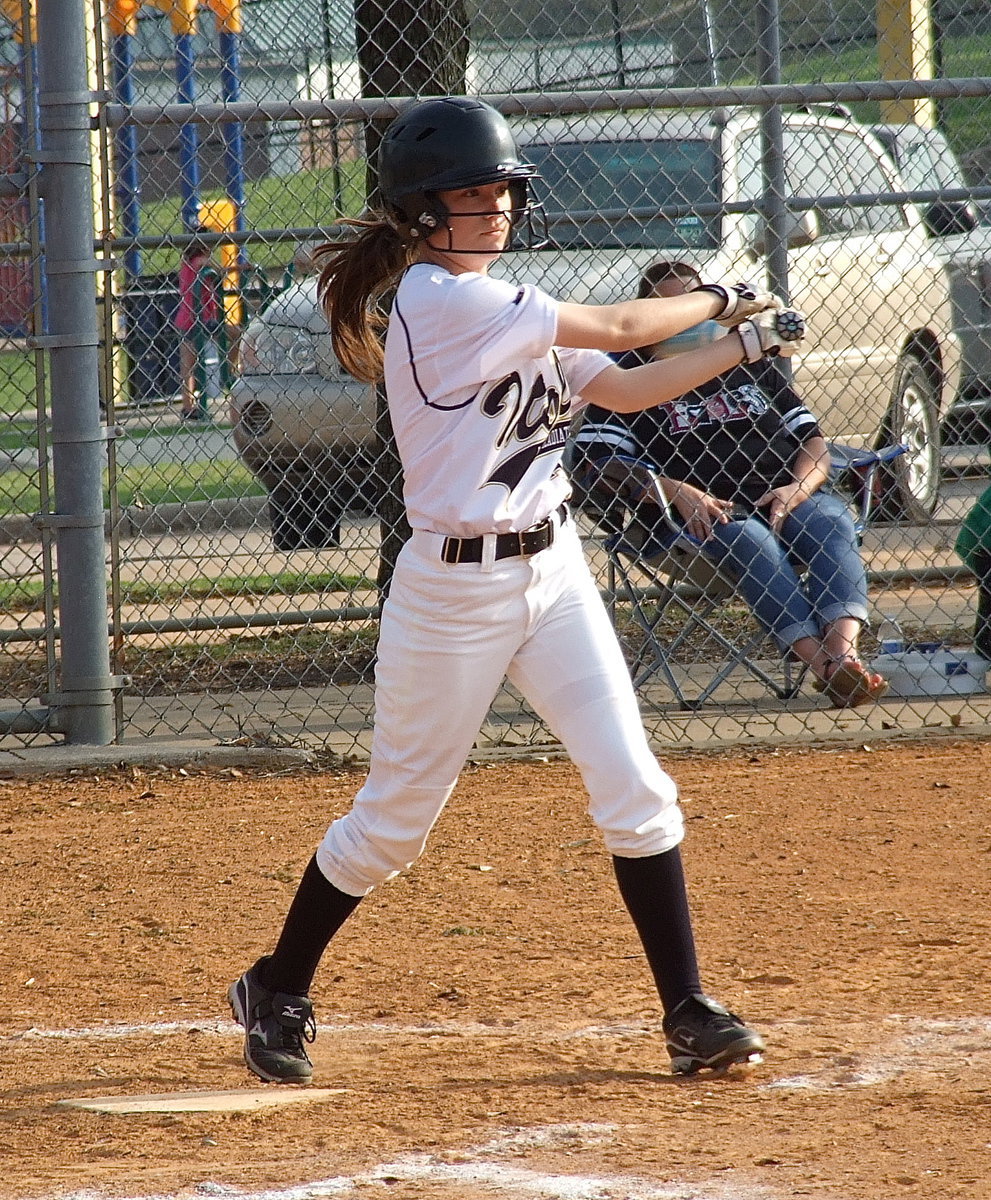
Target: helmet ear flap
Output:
{"points": [[519, 194], [420, 215]]}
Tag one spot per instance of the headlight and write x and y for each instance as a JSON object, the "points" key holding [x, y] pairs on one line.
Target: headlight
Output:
{"points": [[277, 350]]}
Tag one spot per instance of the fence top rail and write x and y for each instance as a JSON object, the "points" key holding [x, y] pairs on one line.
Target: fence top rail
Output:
{"points": [[313, 232], [552, 103]]}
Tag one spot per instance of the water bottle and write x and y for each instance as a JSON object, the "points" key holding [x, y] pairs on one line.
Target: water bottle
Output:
{"points": [[889, 636]]}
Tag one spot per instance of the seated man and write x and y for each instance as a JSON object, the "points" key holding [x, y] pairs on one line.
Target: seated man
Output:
{"points": [[743, 463]]}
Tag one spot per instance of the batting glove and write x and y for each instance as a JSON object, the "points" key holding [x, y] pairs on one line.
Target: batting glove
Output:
{"points": [[772, 334], [740, 301]]}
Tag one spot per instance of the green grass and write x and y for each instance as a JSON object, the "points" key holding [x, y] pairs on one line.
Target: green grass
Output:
{"points": [[967, 120], [288, 202], [18, 434], [183, 482], [337, 654], [286, 583], [27, 595], [165, 483], [17, 384]]}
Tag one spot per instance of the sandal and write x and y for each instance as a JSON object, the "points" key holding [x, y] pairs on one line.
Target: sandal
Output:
{"points": [[847, 683]]}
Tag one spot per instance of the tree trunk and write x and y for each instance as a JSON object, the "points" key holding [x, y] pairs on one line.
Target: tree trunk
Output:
{"points": [[405, 48]]}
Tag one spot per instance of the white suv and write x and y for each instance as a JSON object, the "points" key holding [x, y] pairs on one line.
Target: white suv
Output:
{"points": [[621, 189]]}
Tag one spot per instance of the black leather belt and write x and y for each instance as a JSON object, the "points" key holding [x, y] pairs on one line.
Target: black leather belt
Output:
{"points": [[507, 545]]}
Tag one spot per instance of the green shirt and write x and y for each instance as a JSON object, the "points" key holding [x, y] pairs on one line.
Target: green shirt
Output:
{"points": [[974, 537]]}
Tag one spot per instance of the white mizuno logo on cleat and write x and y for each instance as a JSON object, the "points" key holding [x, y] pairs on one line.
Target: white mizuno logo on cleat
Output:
{"points": [[289, 1011]]}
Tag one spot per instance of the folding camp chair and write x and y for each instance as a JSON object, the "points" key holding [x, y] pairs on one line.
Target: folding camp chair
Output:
{"points": [[859, 473], [662, 572]]}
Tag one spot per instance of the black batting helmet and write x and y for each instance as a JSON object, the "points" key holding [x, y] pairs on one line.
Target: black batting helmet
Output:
{"points": [[439, 145]]}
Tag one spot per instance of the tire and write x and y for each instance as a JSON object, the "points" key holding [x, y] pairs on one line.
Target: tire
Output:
{"points": [[914, 421], [303, 516]]}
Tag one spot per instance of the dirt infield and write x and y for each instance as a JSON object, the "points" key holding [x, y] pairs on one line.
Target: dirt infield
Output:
{"points": [[489, 1014]]}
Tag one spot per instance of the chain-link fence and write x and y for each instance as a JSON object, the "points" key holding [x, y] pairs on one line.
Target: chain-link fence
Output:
{"points": [[835, 151]]}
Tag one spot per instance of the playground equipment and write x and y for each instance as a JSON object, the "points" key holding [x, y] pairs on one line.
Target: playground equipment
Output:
{"points": [[16, 284], [122, 16], [149, 306]]}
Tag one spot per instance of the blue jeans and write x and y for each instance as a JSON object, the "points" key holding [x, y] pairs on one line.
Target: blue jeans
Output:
{"points": [[820, 537]]}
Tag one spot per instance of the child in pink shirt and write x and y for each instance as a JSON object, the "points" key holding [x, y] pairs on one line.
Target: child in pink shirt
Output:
{"points": [[197, 315]]}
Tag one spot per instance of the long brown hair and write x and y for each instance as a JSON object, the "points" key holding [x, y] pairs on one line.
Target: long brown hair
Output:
{"points": [[355, 277]]}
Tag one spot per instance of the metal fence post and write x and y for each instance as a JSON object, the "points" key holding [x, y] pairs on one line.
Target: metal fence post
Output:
{"points": [[84, 704], [772, 145]]}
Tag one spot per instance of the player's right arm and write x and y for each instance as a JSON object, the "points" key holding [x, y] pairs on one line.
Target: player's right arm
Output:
{"points": [[637, 388]]}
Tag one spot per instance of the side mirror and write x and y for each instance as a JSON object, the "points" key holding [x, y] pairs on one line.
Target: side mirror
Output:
{"points": [[801, 229], [950, 216]]}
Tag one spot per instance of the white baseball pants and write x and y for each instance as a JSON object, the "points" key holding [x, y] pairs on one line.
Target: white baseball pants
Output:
{"points": [[449, 635]]}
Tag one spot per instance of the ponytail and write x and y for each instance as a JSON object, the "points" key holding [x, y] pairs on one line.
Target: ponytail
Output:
{"points": [[354, 279]]}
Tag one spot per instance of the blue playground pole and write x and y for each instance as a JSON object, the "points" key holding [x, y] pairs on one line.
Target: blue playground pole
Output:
{"points": [[230, 82], [189, 167], [128, 186], [29, 79]]}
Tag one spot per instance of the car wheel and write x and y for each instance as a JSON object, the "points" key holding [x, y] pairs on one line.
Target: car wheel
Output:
{"points": [[913, 421], [303, 516]]}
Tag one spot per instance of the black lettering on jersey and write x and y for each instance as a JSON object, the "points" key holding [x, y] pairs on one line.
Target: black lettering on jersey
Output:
{"points": [[512, 469], [536, 414], [544, 408], [506, 394], [538, 423]]}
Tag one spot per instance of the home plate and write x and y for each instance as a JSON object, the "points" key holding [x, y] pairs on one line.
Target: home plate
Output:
{"points": [[238, 1100]]}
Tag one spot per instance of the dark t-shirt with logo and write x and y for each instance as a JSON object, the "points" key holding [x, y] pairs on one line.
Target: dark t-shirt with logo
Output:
{"points": [[735, 436]]}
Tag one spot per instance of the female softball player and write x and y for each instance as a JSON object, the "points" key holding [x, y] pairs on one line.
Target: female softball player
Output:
{"points": [[483, 378]]}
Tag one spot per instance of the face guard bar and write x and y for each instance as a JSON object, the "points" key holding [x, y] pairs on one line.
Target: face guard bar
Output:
{"points": [[528, 218]]}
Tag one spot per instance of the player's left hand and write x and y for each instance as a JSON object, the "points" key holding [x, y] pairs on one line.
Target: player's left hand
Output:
{"points": [[772, 334], [740, 301]]}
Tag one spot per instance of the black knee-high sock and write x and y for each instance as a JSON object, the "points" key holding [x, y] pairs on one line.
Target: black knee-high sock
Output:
{"points": [[653, 890], [317, 912]]}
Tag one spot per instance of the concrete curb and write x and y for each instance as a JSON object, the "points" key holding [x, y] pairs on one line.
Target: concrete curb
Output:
{"points": [[66, 760], [208, 516]]}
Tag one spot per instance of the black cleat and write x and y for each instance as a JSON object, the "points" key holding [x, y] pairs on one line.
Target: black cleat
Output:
{"points": [[275, 1027], [701, 1033]]}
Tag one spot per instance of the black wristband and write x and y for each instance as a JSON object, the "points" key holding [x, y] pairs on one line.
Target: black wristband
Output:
{"points": [[727, 298]]}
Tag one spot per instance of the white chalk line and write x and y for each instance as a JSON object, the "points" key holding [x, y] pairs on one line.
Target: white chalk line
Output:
{"points": [[484, 1170], [220, 1028], [911, 1045], [915, 1044]]}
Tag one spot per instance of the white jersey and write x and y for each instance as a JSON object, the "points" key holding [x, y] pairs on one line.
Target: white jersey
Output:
{"points": [[480, 400]]}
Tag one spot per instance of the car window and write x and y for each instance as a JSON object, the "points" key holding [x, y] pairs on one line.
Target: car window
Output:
{"points": [[822, 163], [863, 173], [607, 194], [808, 174], [813, 169], [926, 166]]}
